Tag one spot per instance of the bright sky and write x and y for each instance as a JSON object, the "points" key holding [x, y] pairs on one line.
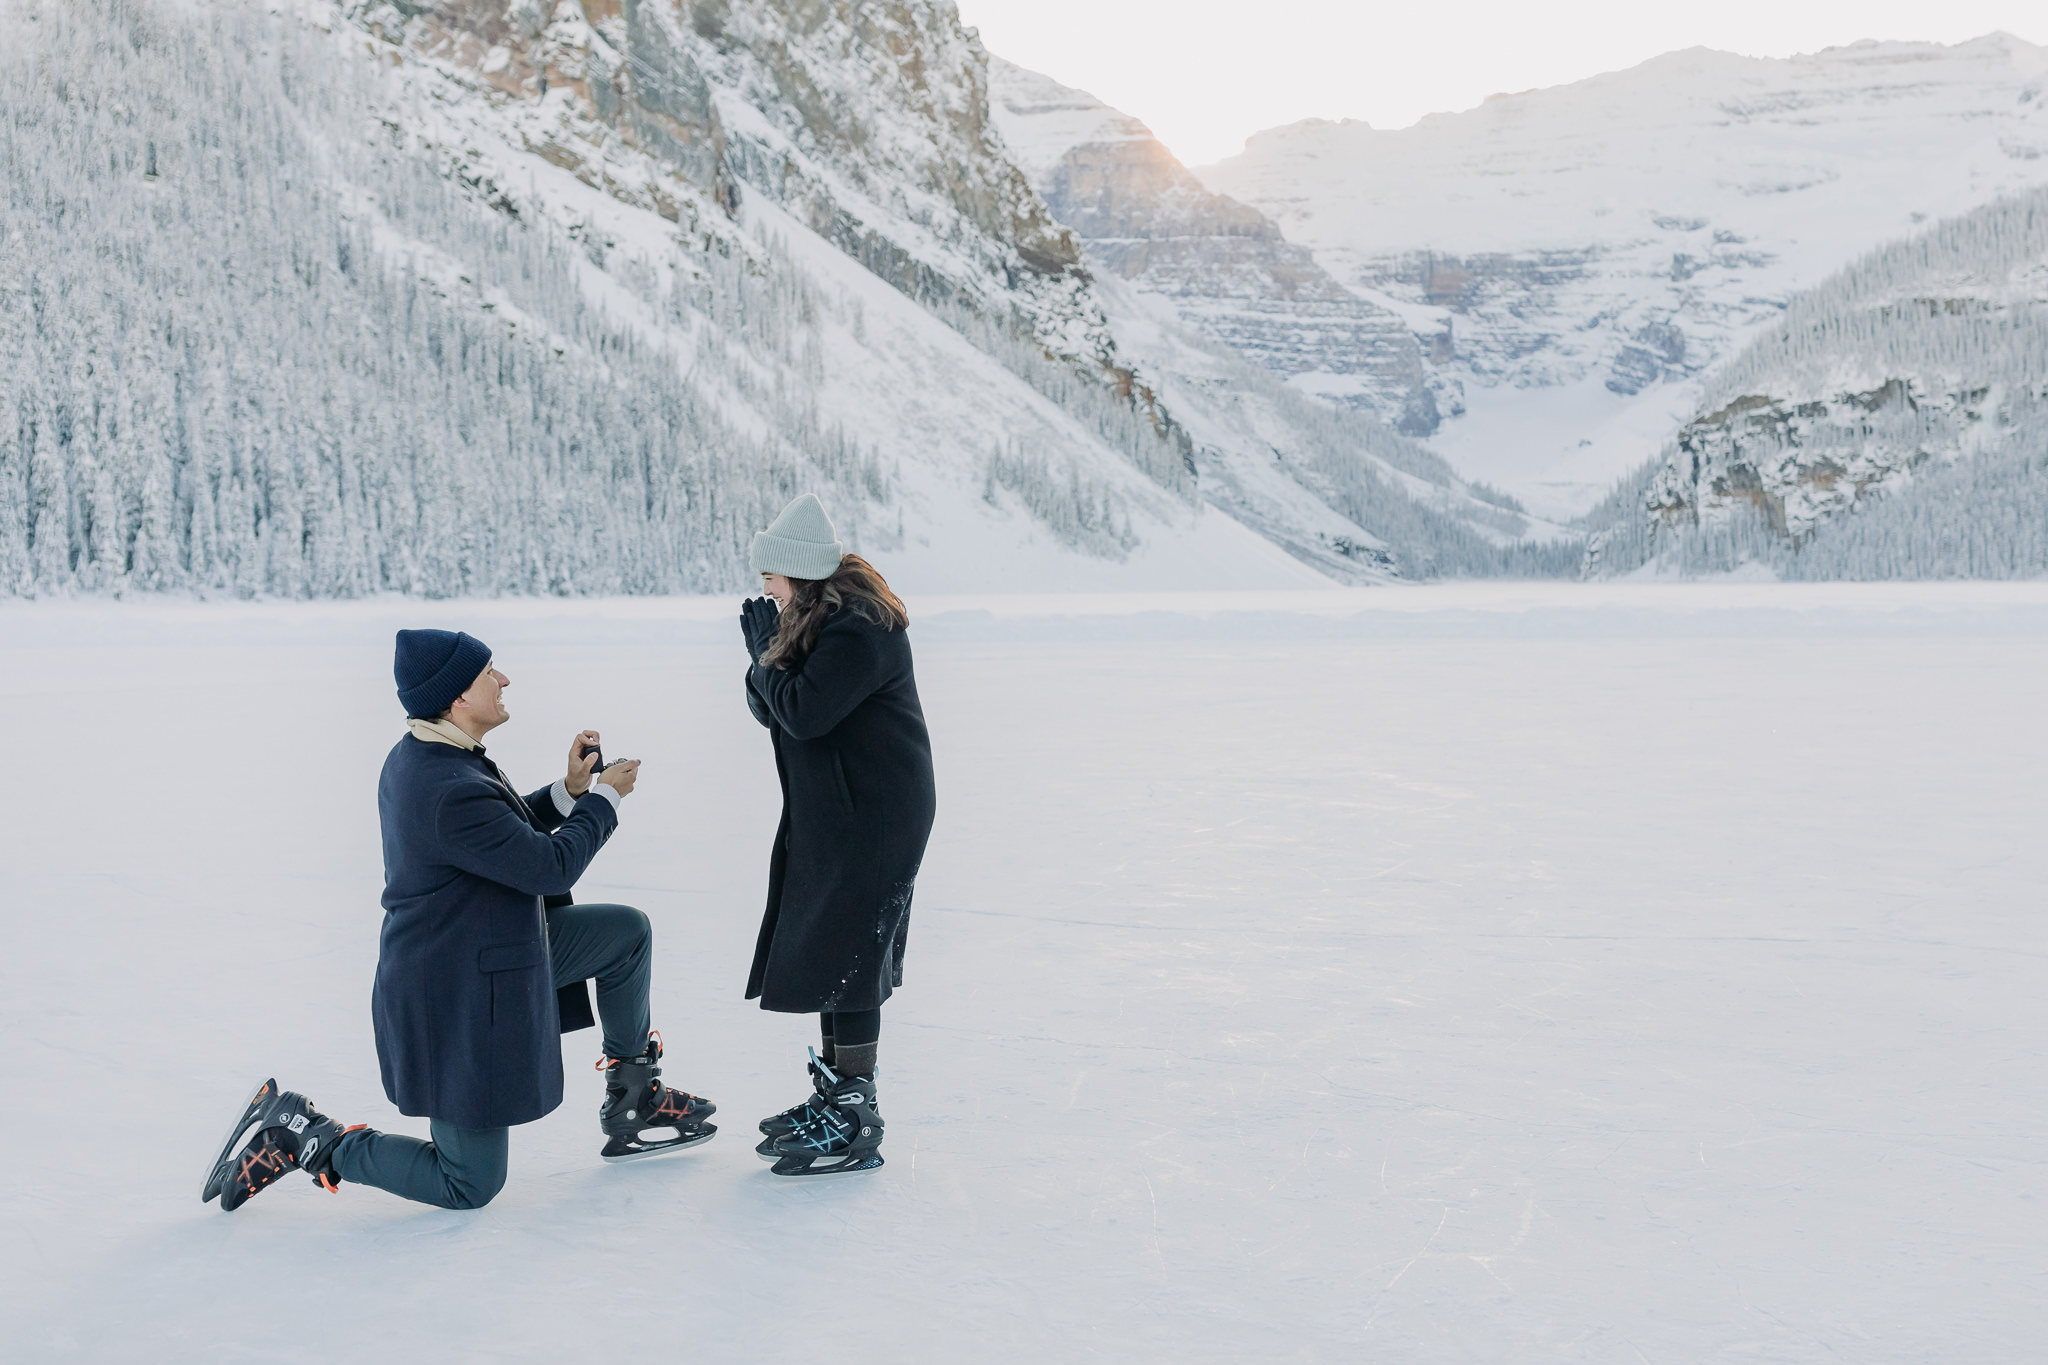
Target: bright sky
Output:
{"points": [[1206, 74]]}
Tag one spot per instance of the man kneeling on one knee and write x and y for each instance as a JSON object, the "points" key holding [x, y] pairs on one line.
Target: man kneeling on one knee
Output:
{"points": [[481, 963]]}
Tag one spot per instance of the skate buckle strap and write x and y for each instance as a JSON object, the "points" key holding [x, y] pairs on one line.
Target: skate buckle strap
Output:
{"points": [[327, 1180], [653, 1044]]}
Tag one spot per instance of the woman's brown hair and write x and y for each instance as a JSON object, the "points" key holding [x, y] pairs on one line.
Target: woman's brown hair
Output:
{"points": [[855, 585]]}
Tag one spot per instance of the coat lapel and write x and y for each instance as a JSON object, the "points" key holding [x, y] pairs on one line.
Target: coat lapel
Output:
{"points": [[452, 735], [505, 786]]}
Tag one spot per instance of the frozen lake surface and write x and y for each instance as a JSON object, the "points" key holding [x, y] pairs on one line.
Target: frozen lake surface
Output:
{"points": [[1457, 974]]}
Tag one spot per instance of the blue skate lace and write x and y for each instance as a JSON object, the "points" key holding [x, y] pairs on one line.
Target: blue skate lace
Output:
{"points": [[822, 1129]]}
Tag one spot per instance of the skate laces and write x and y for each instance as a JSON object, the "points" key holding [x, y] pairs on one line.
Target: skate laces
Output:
{"points": [[669, 1108], [802, 1117], [823, 1128], [263, 1164]]}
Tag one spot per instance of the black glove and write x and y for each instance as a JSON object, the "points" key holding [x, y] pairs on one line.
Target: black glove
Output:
{"points": [[758, 624]]}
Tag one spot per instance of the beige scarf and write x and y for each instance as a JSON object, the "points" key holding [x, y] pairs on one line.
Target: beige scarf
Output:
{"points": [[448, 732], [440, 732]]}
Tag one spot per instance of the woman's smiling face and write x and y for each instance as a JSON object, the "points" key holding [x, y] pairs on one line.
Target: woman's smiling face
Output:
{"points": [[777, 587]]}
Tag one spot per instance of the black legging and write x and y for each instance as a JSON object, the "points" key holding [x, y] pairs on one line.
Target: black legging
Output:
{"points": [[851, 1028]]}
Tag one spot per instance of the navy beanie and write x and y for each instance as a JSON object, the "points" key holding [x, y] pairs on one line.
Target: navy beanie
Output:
{"points": [[434, 667]]}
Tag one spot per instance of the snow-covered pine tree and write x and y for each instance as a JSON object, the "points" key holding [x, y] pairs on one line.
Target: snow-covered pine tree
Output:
{"points": [[16, 573], [252, 347]]}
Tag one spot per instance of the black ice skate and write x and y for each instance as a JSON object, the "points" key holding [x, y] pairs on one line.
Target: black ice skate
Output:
{"points": [[637, 1106], [843, 1136], [290, 1135], [797, 1115]]}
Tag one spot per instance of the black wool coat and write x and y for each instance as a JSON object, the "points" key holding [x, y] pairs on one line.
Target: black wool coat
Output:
{"points": [[464, 1005], [857, 806]]}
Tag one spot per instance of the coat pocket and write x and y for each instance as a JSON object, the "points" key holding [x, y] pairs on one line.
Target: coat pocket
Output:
{"points": [[839, 781], [507, 957], [512, 992]]}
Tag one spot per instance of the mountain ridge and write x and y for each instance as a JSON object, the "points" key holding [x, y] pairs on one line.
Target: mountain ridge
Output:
{"points": [[1219, 309], [658, 313], [1576, 259]]}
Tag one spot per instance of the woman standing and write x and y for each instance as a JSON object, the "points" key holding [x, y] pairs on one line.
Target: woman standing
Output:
{"points": [[831, 679]]}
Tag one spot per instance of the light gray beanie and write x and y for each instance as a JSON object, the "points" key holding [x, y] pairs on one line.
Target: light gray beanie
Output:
{"points": [[800, 543]]}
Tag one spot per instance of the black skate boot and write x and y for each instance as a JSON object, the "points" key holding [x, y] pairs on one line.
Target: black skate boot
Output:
{"points": [[290, 1135], [797, 1115], [636, 1103], [843, 1136]]}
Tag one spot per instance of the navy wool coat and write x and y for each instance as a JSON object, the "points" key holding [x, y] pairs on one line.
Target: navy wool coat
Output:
{"points": [[464, 1006], [857, 805]]}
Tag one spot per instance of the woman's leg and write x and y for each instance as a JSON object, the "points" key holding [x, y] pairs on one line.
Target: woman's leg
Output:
{"points": [[827, 1052], [462, 1168], [855, 1035]]}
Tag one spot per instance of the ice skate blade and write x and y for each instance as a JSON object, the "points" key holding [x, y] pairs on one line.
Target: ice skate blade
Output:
{"points": [[648, 1151], [872, 1162], [261, 1096]]}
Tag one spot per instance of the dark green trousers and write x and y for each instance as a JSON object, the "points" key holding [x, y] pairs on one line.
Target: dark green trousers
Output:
{"points": [[464, 1168]]}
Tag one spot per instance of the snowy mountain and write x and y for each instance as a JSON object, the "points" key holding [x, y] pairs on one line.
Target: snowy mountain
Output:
{"points": [[497, 296], [1145, 219], [324, 313], [1575, 260], [868, 124], [1893, 424], [1215, 308]]}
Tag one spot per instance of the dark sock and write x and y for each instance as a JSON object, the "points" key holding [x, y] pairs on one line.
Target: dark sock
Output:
{"points": [[826, 1052], [856, 1026], [856, 1059], [850, 1037]]}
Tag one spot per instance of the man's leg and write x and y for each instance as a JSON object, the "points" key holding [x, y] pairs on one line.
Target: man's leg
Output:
{"points": [[462, 1168], [615, 944]]}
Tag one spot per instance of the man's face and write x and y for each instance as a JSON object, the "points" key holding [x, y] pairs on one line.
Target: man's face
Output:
{"points": [[484, 703]]}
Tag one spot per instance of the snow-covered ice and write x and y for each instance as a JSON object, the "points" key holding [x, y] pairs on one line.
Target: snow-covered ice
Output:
{"points": [[1627, 973]]}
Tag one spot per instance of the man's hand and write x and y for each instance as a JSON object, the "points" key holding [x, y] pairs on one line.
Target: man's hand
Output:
{"points": [[580, 764], [621, 775]]}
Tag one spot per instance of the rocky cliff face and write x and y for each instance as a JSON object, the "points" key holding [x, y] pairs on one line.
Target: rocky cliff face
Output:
{"points": [[1798, 463], [867, 122], [1905, 391], [1223, 265]]}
